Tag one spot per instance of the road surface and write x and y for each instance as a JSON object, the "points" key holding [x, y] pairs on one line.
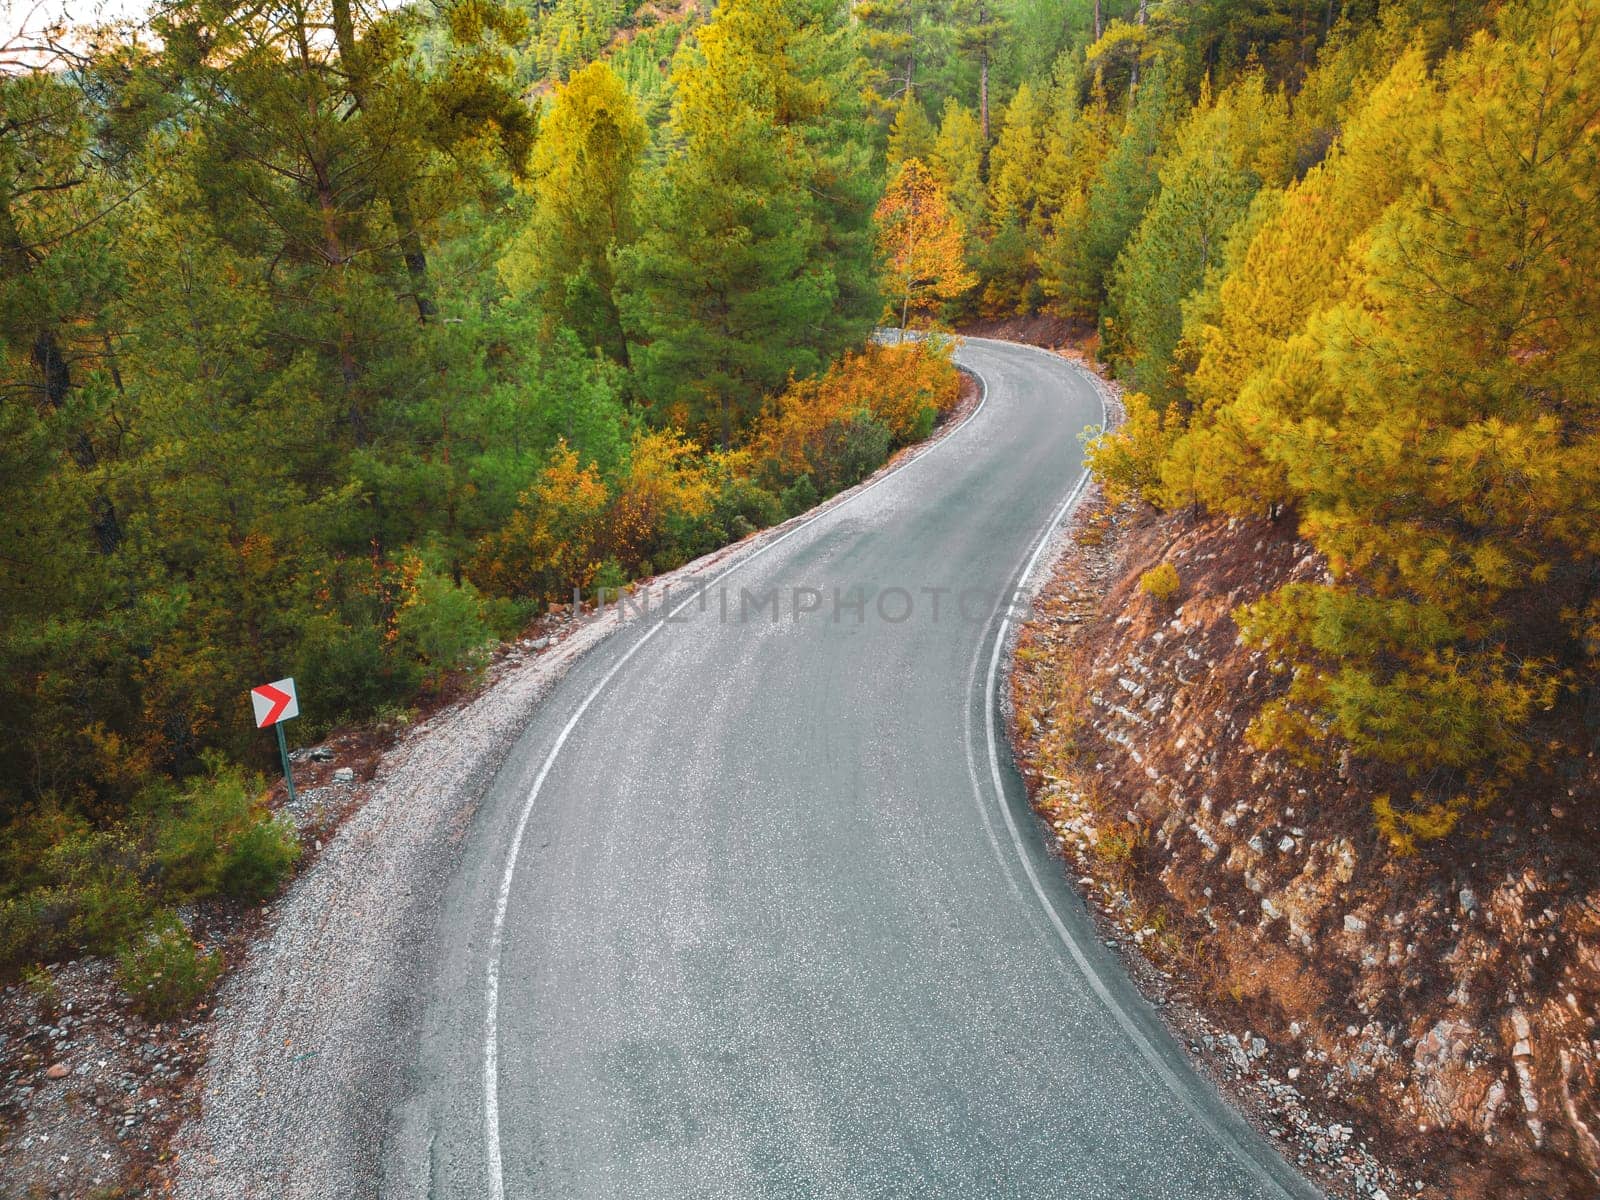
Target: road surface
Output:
{"points": [[757, 908]]}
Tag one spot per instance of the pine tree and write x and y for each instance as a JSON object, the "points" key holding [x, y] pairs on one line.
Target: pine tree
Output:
{"points": [[582, 183], [1009, 260], [979, 26], [1123, 52], [1117, 198], [1222, 154], [304, 158], [1298, 263], [957, 163], [727, 287], [1077, 142], [1018, 158], [1443, 449], [911, 135], [843, 182], [63, 643], [1040, 32], [897, 38]]}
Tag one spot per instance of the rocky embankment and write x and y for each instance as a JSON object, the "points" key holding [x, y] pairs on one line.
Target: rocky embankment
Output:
{"points": [[1441, 1006]]}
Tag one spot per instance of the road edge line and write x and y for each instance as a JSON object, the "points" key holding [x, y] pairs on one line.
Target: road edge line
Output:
{"points": [[1001, 623]]}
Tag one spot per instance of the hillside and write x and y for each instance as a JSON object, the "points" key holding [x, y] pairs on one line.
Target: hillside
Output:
{"points": [[1442, 1004]]}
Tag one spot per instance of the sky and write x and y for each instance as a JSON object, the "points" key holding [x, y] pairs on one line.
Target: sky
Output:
{"points": [[24, 22], [31, 12]]}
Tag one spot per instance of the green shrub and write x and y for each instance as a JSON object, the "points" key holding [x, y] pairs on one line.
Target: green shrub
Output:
{"points": [[95, 898], [847, 451], [26, 845], [609, 579], [164, 971], [799, 496], [743, 506], [507, 616], [214, 836], [83, 892], [42, 987], [351, 671], [441, 623], [68, 888], [1120, 844], [1160, 584], [260, 859], [190, 828], [105, 909], [19, 921]]}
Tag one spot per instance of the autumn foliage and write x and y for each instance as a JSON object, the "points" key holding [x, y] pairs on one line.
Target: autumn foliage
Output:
{"points": [[922, 243], [578, 527], [552, 541], [1399, 355]]}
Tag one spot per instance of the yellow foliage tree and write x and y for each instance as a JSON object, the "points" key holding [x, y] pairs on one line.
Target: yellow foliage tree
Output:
{"points": [[667, 485], [1444, 438], [911, 135], [1404, 358], [921, 241], [1295, 262], [581, 184], [1017, 158], [957, 163]]}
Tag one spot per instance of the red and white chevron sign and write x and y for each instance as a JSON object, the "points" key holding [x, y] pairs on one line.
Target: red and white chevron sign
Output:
{"points": [[275, 702]]}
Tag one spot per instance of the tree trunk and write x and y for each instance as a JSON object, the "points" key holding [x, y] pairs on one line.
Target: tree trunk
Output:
{"points": [[416, 258], [983, 89], [1097, 28], [111, 361], [55, 378], [333, 251], [1144, 19]]}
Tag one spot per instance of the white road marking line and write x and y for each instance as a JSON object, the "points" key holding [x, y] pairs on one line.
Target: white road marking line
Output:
{"points": [[1097, 983]]}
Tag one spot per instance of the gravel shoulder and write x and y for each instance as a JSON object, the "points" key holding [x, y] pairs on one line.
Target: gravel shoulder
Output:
{"points": [[314, 1034]]}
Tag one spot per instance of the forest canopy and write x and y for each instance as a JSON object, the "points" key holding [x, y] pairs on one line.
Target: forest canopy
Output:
{"points": [[340, 341]]}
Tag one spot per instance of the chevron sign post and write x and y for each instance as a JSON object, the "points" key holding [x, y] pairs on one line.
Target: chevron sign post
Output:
{"points": [[276, 703]]}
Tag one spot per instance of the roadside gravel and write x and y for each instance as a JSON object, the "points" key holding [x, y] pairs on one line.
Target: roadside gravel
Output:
{"points": [[314, 1035]]}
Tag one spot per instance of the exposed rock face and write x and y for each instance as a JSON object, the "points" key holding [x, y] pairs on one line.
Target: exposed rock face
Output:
{"points": [[1453, 1083], [1448, 1001]]}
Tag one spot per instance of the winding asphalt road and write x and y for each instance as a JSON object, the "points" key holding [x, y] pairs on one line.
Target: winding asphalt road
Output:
{"points": [[757, 908]]}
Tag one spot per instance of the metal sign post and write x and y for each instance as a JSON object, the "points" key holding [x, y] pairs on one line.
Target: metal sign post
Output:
{"points": [[275, 703], [283, 754]]}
